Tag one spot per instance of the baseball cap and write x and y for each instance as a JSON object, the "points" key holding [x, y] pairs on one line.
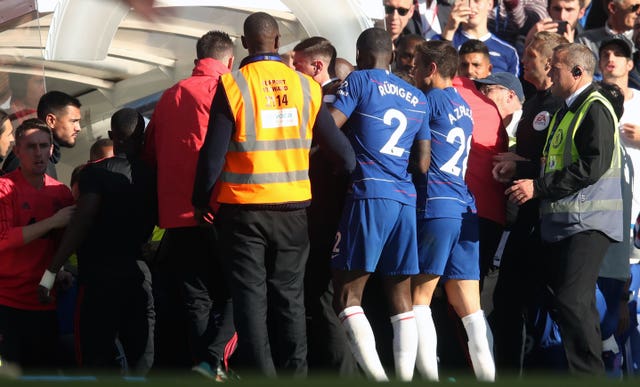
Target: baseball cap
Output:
{"points": [[621, 41], [504, 79]]}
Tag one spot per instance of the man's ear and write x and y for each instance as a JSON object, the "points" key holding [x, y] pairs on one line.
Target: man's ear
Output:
{"points": [[50, 150], [276, 42], [230, 62], [244, 42], [319, 66], [110, 134], [490, 68], [50, 120], [393, 58]]}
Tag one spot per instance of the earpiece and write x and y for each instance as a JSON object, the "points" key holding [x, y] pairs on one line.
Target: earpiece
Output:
{"points": [[576, 71]]}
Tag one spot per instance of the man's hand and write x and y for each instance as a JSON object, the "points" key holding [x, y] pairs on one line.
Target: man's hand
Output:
{"points": [[64, 279], [521, 191], [547, 24], [504, 171], [631, 134], [43, 295], [459, 14], [204, 216], [61, 218]]}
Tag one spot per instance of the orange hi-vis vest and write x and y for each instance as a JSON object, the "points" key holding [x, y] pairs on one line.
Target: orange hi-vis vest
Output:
{"points": [[274, 109]]}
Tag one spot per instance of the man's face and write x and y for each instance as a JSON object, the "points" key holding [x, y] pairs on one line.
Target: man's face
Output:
{"points": [[474, 65], [405, 56], [304, 64], [566, 10], [65, 125], [534, 64], [479, 12], [499, 95], [624, 16], [34, 149], [421, 74], [6, 138], [393, 20], [613, 63], [560, 74]]}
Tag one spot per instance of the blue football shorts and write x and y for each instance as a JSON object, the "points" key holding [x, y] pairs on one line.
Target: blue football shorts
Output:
{"points": [[377, 235], [449, 247]]}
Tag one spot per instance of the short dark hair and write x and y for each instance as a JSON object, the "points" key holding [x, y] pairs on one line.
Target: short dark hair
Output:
{"points": [[3, 117], [260, 26], [473, 46], [126, 123], [214, 44], [32, 123], [317, 46], [95, 152], [375, 40], [442, 54], [53, 102]]}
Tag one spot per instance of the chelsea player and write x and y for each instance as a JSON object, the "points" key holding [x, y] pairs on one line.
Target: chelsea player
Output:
{"points": [[386, 118], [447, 219]]}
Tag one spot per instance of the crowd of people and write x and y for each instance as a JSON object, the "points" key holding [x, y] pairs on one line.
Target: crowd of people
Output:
{"points": [[475, 169]]}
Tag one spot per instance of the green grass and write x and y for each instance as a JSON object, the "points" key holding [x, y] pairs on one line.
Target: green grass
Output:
{"points": [[187, 379]]}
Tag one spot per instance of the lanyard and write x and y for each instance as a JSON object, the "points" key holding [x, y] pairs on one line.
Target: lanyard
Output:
{"points": [[258, 58]]}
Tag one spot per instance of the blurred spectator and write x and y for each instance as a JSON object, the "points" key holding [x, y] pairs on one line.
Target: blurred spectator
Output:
{"points": [[564, 16], [27, 91], [475, 62], [6, 136], [468, 20], [405, 56], [429, 18], [397, 15], [621, 18]]}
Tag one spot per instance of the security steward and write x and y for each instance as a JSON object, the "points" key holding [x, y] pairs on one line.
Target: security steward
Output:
{"points": [[263, 118], [581, 202]]}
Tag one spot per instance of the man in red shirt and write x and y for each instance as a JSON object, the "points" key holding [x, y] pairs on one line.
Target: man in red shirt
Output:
{"points": [[489, 139], [172, 143], [33, 206]]}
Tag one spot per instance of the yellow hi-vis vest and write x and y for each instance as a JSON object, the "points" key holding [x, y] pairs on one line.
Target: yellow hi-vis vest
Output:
{"points": [[595, 207], [268, 158]]}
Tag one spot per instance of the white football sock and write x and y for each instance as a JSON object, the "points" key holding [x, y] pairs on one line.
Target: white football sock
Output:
{"points": [[405, 344], [481, 357], [610, 344], [362, 342], [427, 360]]}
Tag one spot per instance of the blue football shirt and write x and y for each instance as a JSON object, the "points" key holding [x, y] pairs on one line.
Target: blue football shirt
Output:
{"points": [[442, 192], [386, 115]]}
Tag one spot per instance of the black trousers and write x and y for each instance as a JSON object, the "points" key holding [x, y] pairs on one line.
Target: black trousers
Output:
{"points": [[195, 257], [328, 345], [520, 287], [266, 252], [118, 308], [28, 337], [572, 268]]}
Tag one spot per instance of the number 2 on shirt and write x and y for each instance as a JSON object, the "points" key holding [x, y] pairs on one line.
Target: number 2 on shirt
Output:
{"points": [[456, 135], [390, 147]]}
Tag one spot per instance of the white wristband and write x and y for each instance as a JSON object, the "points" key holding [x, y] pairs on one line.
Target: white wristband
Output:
{"points": [[48, 278]]}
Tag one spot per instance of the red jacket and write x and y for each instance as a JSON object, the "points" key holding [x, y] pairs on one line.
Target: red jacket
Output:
{"points": [[22, 265], [174, 137]]}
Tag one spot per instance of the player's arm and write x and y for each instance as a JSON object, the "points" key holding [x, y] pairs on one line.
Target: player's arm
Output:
{"points": [[420, 156], [332, 141], [338, 117], [86, 211], [12, 237]]}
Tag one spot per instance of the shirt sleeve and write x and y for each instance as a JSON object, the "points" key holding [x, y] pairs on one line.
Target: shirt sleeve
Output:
{"points": [[333, 142], [348, 96]]}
